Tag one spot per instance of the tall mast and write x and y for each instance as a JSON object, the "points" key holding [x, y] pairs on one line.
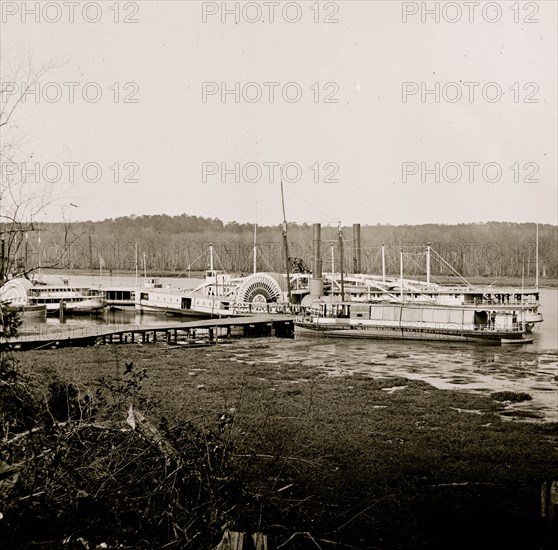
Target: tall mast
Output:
{"points": [[255, 259], [401, 272], [26, 249], [332, 265], [537, 259], [211, 258], [136, 259], [40, 253], [90, 254], [286, 243], [383, 263], [255, 251], [428, 264]]}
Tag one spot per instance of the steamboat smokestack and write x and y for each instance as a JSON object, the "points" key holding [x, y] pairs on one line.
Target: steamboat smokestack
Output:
{"points": [[316, 282], [357, 263]]}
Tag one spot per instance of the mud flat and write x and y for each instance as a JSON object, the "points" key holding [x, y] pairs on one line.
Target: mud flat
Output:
{"points": [[351, 461]]}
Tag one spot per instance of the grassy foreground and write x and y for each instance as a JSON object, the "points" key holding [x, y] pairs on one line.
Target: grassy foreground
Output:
{"points": [[319, 462]]}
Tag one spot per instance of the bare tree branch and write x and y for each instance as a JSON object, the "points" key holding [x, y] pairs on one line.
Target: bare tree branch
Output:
{"points": [[21, 203]]}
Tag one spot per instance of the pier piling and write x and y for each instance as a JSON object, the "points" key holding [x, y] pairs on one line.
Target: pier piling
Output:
{"points": [[257, 326]]}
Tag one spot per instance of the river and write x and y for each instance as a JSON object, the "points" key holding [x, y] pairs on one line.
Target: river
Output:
{"points": [[482, 369], [531, 368]]}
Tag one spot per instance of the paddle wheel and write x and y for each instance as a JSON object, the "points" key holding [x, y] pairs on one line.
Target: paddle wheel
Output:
{"points": [[259, 288], [15, 292]]}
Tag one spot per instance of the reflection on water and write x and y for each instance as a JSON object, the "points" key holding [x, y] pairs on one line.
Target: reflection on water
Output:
{"points": [[118, 317], [531, 368]]}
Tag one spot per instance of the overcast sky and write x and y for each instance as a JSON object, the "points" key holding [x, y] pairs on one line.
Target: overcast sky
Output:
{"points": [[359, 136]]}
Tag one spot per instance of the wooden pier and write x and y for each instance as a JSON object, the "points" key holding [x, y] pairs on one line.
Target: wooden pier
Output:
{"points": [[198, 332]]}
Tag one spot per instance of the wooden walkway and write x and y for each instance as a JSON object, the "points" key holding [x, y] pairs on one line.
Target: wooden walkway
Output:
{"points": [[208, 331]]}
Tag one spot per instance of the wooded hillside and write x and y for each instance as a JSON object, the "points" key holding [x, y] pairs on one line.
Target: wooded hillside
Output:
{"points": [[180, 243]]}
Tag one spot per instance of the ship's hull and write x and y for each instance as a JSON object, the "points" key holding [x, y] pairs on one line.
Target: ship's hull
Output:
{"points": [[31, 313], [78, 306], [121, 305], [166, 310], [378, 332]]}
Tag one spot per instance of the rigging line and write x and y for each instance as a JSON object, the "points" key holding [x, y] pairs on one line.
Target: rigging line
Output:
{"points": [[440, 281], [190, 264], [178, 275], [265, 260], [246, 262], [328, 224], [436, 280], [216, 256], [246, 266], [392, 269], [451, 268], [372, 259], [377, 249], [416, 264], [311, 205]]}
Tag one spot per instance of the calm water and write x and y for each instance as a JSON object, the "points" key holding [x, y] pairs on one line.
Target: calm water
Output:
{"points": [[531, 368]]}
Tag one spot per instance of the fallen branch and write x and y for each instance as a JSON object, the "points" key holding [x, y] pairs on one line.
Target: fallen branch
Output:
{"points": [[315, 541], [356, 516], [235, 540], [275, 457], [149, 432], [78, 425]]}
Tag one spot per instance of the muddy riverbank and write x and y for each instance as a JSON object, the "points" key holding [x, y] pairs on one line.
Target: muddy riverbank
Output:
{"points": [[358, 460]]}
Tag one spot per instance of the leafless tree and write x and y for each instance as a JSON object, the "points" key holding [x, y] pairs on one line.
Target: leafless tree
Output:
{"points": [[21, 203]]}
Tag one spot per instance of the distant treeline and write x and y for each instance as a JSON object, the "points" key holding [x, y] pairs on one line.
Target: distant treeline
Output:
{"points": [[180, 243]]}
